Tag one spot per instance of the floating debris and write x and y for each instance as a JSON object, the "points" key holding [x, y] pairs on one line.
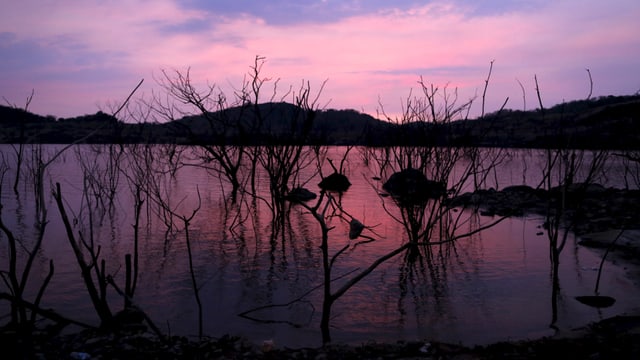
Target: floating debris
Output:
{"points": [[596, 301], [300, 194]]}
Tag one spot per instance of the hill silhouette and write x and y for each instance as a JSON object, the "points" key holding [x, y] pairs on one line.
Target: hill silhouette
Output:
{"points": [[604, 122]]}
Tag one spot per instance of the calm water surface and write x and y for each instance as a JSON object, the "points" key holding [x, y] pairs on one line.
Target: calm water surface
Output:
{"points": [[495, 285]]}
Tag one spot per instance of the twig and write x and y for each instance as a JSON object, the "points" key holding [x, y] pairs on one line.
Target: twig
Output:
{"points": [[524, 97], [604, 257], [486, 85], [245, 315], [590, 84], [128, 98]]}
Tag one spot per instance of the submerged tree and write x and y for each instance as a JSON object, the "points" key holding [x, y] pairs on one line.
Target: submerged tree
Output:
{"points": [[220, 147], [422, 180], [23, 252], [568, 175], [21, 255], [247, 117], [285, 160]]}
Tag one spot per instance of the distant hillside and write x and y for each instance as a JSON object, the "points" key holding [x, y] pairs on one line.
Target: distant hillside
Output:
{"points": [[20, 126], [605, 122], [278, 123]]}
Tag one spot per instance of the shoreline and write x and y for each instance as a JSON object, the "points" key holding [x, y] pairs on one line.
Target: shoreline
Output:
{"points": [[624, 252], [616, 337]]}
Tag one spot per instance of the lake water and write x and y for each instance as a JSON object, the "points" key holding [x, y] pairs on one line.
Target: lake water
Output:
{"points": [[494, 285]]}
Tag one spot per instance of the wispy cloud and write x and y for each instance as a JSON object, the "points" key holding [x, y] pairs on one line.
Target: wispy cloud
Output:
{"points": [[77, 55]]}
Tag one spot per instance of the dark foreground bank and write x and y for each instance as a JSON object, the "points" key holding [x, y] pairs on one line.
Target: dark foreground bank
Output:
{"points": [[614, 338]]}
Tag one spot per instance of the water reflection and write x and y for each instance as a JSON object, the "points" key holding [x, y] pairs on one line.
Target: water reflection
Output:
{"points": [[491, 285]]}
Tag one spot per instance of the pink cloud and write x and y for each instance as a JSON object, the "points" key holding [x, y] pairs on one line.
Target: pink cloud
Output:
{"points": [[364, 58]]}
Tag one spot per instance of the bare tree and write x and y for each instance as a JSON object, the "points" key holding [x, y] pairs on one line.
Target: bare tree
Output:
{"points": [[220, 147], [19, 148], [567, 176], [16, 277], [173, 214], [421, 180], [97, 287], [288, 156]]}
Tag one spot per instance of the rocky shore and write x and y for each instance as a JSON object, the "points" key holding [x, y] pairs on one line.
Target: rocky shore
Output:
{"points": [[588, 208], [601, 218], [596, 214]]}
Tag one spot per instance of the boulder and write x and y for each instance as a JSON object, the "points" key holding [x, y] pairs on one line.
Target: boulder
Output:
{"points": [[335, 182], [355, 228], [410, 187]]}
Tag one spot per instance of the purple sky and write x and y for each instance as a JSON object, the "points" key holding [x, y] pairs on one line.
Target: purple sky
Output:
{"points": [[83, 56]]}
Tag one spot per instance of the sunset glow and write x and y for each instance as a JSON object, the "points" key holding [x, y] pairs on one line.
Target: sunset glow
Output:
{"points": [[79, 57]]}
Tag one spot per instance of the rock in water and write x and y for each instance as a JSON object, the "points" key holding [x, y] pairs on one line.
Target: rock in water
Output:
{"points": [[355, 228], [410, 187], [335, 182]]}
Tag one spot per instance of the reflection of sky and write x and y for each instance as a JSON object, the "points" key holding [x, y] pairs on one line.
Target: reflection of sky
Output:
{"points": [[79, 56], [492, 286]]}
